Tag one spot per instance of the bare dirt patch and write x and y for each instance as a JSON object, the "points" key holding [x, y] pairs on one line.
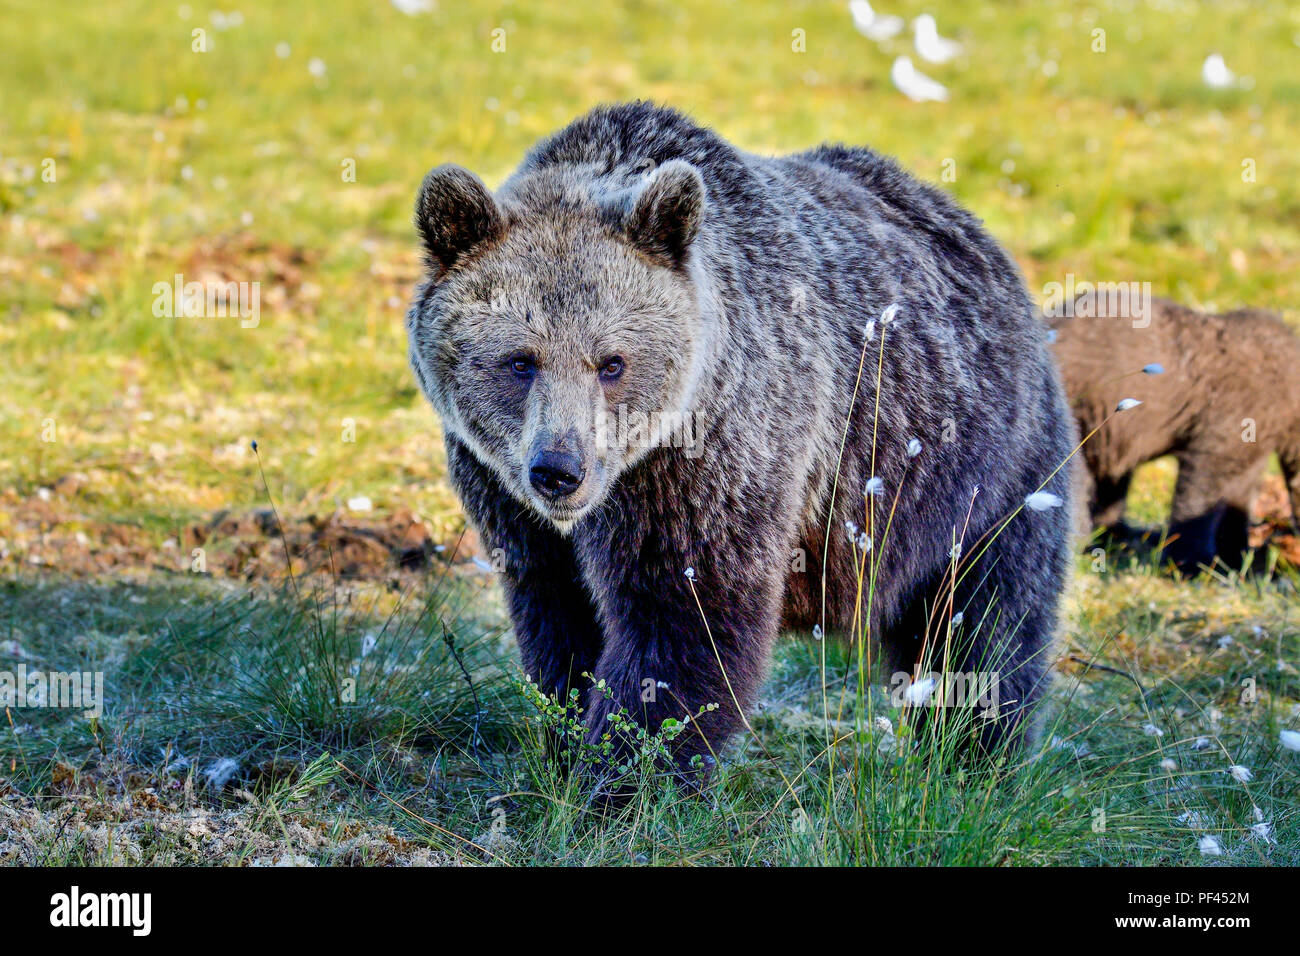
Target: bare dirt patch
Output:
{"points": [[45, 531]]}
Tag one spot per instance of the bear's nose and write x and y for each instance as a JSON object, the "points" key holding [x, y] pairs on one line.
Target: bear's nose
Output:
{"points": [[555, 474]]}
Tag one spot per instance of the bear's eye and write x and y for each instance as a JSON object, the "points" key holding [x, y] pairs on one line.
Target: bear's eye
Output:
{"points": [[522, 365], [611, 369]]}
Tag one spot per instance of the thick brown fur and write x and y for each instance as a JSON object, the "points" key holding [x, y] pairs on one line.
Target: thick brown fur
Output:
{"points": [[742, 292], [1226, 397]]}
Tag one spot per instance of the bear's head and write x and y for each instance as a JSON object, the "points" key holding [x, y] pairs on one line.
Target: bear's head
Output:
{"points": [[561, 332]]}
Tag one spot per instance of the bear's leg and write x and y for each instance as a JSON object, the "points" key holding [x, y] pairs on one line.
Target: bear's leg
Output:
{"points": [[1289, 458], [1232, 543], [1211, 509], [1193, 542], [1007, 598], [554, 619], [675, 644], [1194, 517]]}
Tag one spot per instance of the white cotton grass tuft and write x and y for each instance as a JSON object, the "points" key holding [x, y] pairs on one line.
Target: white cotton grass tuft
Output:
{"points": [[875, 486], [1289, 739], [1043, 500], [1262, 831], [863, 543], [1201, 743], [1168, 765], [1155, 368], [1210, 845], [885, 318], [918, 692], [690, 574], [220, 772], [914, 448], [1241, 774], [1151, 730], [1127, 403], [368, 644], [958, 618], [817, 632], [887, 743], [1192, 819]]}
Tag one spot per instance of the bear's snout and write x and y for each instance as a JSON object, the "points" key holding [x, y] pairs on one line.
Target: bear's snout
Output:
{"points": [[556, 473]]}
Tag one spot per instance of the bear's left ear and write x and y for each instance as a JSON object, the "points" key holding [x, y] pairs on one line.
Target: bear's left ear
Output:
{"points": [[666, 214]]}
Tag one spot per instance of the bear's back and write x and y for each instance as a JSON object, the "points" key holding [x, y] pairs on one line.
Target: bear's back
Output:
{"points": [[1205, 373], [618, 143]]}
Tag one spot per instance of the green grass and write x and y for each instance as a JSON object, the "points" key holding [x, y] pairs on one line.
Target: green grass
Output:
{"points": [[1118, 166], [441, 757]]}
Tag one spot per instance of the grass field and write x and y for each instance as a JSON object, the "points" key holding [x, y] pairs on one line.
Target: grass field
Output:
{"points": [[287, 153]]}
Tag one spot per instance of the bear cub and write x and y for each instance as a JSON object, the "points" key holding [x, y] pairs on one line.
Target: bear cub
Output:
{"points": [[684, 390], [1226, 397]]}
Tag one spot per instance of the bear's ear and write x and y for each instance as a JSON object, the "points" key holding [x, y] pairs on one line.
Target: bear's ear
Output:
{"points": [[455, 213], [666, 214]]}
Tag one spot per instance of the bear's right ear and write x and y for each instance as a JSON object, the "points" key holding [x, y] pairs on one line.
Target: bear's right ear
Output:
{"points": [[455, 213], [666, 214]]}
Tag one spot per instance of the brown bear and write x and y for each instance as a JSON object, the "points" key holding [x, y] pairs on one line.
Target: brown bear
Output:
{"points": [[677, 380], [1219, 392]]}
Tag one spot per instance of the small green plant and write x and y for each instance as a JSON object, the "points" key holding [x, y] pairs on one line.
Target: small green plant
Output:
{"points": [[625, 754]]}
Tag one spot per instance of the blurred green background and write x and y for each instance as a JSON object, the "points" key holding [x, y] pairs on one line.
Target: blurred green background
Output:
{"points": [[230, 163]]}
